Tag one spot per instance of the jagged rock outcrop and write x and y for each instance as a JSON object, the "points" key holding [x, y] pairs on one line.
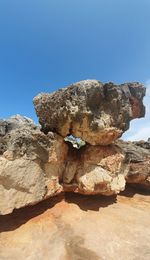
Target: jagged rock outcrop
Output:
{"points": [[137, 156], [35, 166], [14, 122], [37, 163], [31, 164], [96, 112], [106, 169], [95, 170], [143, 144]]}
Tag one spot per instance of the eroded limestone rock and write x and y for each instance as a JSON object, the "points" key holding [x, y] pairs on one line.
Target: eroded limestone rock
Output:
{"points": [[95, 170], [35, 166], [137, 155], [31, 164], [37, 163], [96, 112]]}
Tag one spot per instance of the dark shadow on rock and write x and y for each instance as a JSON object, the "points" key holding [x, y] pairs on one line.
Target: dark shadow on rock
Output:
{"points": [[90, 202], [75, 249], [132, 189], [20, 216]]}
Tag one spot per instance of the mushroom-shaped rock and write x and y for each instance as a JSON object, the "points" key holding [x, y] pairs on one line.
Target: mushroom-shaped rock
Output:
{"points": [[96, 112]]}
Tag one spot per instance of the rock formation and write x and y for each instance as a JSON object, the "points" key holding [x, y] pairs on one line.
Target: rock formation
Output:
{"points": [[37, 163], [96, 112], [95, 170], [30, 164], [72, 227], [137, 155], [35, 166]]}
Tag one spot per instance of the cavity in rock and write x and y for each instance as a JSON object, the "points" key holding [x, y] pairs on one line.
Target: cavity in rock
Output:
{"points": [[75, 141]]}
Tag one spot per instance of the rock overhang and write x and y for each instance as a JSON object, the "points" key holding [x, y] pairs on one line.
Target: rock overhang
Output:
{"points": [[37, 163], [96, 112]]}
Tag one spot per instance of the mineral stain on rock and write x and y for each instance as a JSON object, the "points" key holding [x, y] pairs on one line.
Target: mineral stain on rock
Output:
{"points": [[76, 251], [73, 226]]}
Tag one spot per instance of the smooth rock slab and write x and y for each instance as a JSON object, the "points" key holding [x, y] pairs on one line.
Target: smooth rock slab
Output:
{"points": [[79, 227], [96, 112]]}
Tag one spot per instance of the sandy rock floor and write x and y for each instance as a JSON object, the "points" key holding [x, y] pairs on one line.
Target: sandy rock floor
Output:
{"points": [[76, 227]]}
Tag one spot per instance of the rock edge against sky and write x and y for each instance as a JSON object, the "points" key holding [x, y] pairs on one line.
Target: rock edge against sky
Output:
{"points": [[36, 163]]}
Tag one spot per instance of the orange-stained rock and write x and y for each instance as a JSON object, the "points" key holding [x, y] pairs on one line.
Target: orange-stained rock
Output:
{"points": [[35, 166], [73, 226], [95, 170]]}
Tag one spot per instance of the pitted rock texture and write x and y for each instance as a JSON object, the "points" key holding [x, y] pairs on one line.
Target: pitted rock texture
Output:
{"points": [[37, 163], [35, 166], [14, 122], [137, 156], [31, 164], [95, 170], [96, 112], [143, 144]]}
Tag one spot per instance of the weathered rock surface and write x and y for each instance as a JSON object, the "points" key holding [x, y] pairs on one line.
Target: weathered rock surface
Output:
{"points": [[14, 122], [73, 227], [36, 163], [35, 166], [143, 144], [96, 112], [95, 170], [31, 164], [137, 155]]}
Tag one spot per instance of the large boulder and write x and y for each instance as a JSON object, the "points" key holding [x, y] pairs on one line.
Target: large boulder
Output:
{"points": [[31, 164], [137, 156], [35, 166], [95, 170], [96, 112], [16, 121]]}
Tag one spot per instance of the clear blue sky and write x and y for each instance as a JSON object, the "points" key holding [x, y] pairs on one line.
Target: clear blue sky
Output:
{"points": [[48, 44]]}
